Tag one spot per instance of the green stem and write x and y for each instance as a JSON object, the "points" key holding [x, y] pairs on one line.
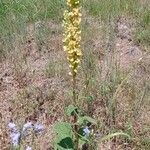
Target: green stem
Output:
{"points": [[74, 90], [75, 116]]}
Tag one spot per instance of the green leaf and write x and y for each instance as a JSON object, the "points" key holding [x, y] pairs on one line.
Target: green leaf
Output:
{"points": [[86, 119], [91, 120], [65, 135], [81, 132], [107, 137], [82, 142], [64, 144], [90, 98], [15, 148], [82, 138], [71, 110], [64, 129]]}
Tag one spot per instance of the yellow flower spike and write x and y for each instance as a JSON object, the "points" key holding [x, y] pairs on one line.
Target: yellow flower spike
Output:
{"points": [[72, 34], [75, 70], [79, 53]]}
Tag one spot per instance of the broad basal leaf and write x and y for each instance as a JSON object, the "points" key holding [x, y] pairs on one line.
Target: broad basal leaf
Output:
{"points": [[71, 110]]}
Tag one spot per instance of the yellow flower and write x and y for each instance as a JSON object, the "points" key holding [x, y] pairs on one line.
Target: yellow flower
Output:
{"points": [[72, 34]]}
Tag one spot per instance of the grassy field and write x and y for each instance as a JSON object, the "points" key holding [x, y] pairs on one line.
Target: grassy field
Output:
{"points": [[113, 81]]}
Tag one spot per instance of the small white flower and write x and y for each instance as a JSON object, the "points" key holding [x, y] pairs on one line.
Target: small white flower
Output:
{"points": [[27, 126], [15, 137], [86, 131], [29, 148], [38, 127]]}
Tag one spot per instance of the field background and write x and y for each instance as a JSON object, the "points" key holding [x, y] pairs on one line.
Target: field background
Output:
{"points": [[113, 80]]}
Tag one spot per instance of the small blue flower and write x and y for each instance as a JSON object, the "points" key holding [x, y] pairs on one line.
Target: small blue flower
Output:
{"points": [[38, 128], [86, 131], [29, 148], [12, 126], [27, 125], [16, 135], [15, 138]]}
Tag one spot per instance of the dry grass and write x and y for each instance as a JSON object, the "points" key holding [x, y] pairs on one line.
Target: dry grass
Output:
{"points": [[113, 79]]}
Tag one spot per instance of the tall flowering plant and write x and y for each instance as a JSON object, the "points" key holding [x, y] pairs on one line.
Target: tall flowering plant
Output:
{"points": [[72, 38], [69, 134]]}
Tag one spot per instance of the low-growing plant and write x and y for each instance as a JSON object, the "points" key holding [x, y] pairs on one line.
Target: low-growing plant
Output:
{"points": [[69, 137], [18, 135]]}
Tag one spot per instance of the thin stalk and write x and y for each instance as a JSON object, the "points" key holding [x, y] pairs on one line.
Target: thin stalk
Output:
{"points": [[75, 116], [74, 91]]}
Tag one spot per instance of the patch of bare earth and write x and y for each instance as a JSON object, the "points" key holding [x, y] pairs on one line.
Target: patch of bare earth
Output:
{"points": [[133, 61], [132, 97], [132, 94], [26, 93]]}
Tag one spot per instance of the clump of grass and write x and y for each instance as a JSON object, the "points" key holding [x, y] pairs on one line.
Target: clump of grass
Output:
{"points": [[15, 16], [142, 33], [56, 68], [50, 70], [109, 9], [143, 36]]}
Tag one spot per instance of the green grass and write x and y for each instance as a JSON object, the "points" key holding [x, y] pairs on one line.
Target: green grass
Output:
{"points": [[109, 10], [142, 34], [32, 10], [15, 15]]}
